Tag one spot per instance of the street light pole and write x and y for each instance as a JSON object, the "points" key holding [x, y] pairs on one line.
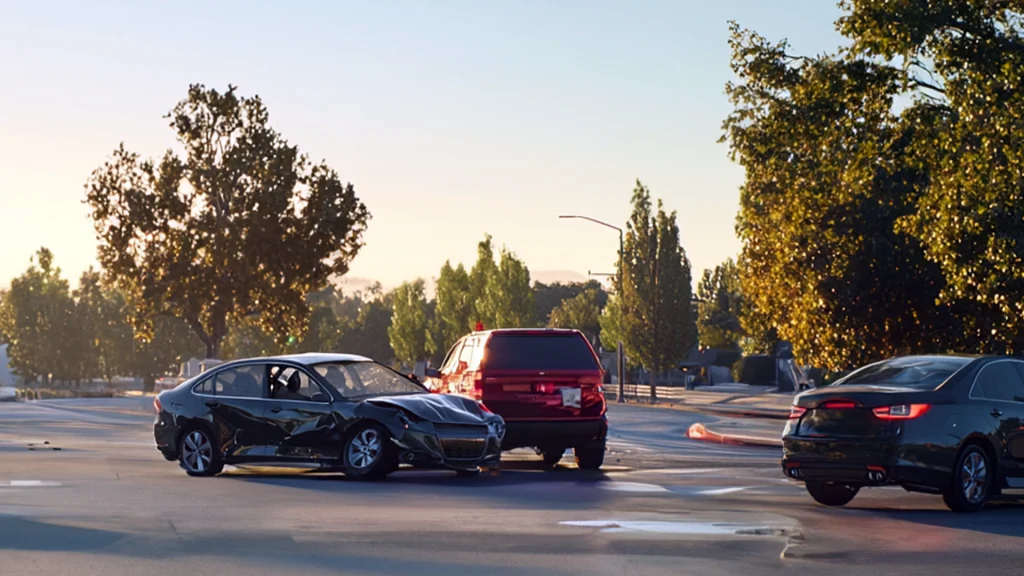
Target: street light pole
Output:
{"points": [[621, 360]]}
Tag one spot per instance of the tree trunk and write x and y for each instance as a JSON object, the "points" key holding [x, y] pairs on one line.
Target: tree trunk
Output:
{"points": [[213, 349], [654, 387]]}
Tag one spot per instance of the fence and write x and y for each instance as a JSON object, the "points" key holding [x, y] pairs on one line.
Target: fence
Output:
{"points": [[642, 392]]}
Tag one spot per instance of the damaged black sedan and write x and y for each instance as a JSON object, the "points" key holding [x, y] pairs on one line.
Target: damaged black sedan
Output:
{"points": [[334, 412]]}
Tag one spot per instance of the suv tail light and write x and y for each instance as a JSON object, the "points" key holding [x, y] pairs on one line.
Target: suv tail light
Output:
{"points": [[478, 385], [157, 406], [901, 411]]}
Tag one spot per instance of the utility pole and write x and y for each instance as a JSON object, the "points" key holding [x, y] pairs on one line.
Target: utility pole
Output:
{"points": [[621, 360]]}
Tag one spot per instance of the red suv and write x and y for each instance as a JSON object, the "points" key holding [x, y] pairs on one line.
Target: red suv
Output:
{"points": [[545, 383]]}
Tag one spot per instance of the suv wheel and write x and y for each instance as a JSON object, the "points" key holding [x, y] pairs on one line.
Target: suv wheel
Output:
{"points": [[552, 456], [590, 456]]}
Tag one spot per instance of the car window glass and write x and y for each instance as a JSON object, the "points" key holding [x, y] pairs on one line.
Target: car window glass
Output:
{"points": [[359, 379], [467, 351], [290, 383], [478, 353], [539, 352], [1000, 381], [453, 358], [241, 382], [205, 387], [446, 363]]}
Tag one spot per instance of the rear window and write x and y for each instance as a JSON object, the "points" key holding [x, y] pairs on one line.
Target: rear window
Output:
{"points": [[921, 373], [539, 352]]}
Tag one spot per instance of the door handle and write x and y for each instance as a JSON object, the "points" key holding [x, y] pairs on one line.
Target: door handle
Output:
{"points": [[212, 403], [275, 409], [996, 412]]}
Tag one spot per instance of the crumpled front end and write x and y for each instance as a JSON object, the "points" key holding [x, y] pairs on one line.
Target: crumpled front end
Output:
{"points": [[461, 446]]}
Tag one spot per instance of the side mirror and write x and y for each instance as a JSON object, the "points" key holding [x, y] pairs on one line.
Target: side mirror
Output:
{"points": [[432, 373]]}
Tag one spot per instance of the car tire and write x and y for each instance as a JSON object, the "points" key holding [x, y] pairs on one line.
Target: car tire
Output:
{"points": [[970, 484], [831, 494], [369, 453], [198, 453], [551, 457], [590, 456]]}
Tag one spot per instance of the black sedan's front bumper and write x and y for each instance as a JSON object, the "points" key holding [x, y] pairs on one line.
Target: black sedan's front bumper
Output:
{"points": [[456, 447]]}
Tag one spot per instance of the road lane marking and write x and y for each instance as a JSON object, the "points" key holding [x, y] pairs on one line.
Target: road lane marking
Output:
{"points": [[29, 483], [720, 491], [632, 487]]}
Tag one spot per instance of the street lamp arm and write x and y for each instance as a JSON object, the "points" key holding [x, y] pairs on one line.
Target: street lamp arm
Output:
{"points": [[594, 220]]}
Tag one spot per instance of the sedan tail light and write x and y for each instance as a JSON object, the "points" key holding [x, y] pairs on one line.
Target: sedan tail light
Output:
{"points": [[901, 411], [795, 412], [157, 406]]}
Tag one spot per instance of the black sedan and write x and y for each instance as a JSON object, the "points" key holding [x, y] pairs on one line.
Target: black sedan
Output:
{"points": [[331, 411], [949, 425]]}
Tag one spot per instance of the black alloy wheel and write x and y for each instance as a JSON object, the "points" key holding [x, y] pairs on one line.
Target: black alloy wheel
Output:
{"points": [[971, 482]]}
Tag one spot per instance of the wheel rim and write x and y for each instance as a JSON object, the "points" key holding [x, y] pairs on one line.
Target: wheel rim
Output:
{"points": [[974, 477], [364, 449], [197, 452]]}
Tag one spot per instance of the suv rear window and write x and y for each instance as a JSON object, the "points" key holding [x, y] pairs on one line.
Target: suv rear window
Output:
{"points": [[539, 352]]}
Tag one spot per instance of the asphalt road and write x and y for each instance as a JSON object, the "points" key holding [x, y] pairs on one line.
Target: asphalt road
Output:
{"points": [[98, 499]]}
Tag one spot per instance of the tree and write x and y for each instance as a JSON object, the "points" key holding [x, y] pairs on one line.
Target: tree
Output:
{"points": [[34, 318], [720, 300], [408, 331], [171, 342], [657, 319], [546, 297], [963, 65], [104, 328], [610, 321], [367, 333], [580, 312], [508, 299], [243, 224], [479, 277], [454, 312], [830, 170]]}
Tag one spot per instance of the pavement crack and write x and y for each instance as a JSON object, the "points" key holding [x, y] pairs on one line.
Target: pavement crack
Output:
{"points": [[175, 530]]}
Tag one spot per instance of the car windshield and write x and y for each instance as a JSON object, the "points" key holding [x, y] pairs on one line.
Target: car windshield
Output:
{"points": [[539, 352], [921, 373], [360, 379]]}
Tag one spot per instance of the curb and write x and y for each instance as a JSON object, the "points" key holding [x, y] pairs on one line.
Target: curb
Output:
{"points": [[699, 431], [772, 413]]}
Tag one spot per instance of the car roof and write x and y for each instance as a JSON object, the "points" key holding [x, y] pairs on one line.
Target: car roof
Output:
{"points": [[311, 358], [527, 331]]}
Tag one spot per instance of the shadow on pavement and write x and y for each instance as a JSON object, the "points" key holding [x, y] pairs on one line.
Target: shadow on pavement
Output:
{"points": [[1004, 517], [17, 533]]}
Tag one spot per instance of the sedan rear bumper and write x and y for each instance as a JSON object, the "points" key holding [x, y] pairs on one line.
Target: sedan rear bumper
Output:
{"points": [[861, 463]]}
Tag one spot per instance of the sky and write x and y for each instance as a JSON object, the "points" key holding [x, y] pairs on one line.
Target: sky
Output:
{"points": [[451, 118]]}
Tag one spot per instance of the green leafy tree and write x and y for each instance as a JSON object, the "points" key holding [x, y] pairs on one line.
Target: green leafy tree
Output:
{"points": [[479, 277], [547, 297], [720, 300], [610, 321], [830, 170], [242, 224], [408, 331], [963, 64], [35, 314], [103, 323], [162, 350], [508, 298], [580, 312], [367, 334], [453, 315], [658, 321]]}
